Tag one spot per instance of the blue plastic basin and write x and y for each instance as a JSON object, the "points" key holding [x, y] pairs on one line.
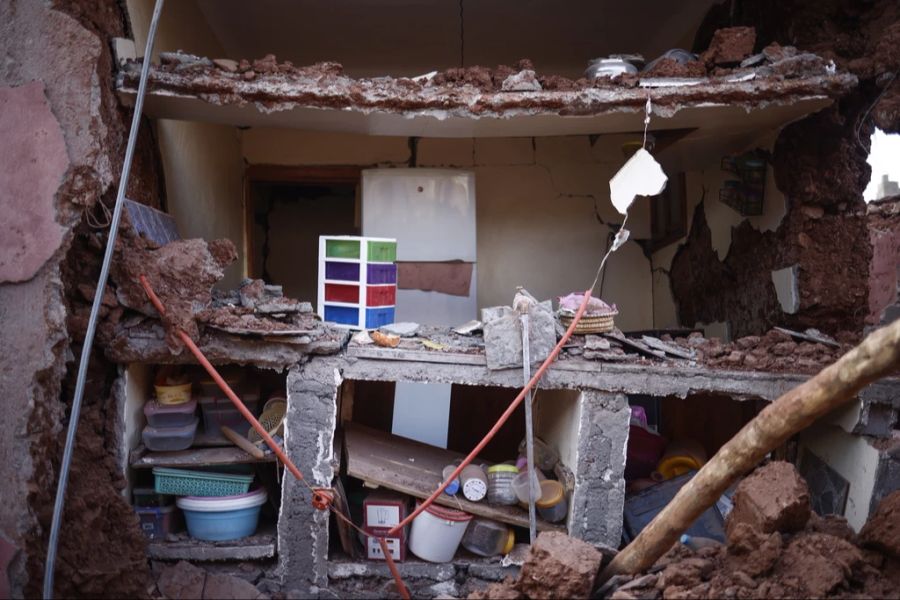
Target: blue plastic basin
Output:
{"points": [[222, 526], [218, 519]]}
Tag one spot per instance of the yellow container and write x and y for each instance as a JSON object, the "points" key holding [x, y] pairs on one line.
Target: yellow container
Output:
{"points": [[173, 394], [681, 457]]}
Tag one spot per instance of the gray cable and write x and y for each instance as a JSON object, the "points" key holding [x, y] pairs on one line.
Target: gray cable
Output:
{"points": [[95, 309]]}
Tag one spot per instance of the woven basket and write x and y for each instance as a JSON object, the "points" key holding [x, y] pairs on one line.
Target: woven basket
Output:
{"points": [[601, 324]]}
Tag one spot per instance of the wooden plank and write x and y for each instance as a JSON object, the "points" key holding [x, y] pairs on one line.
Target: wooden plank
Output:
{"points": [[414, 468], [141, 458], [453, 358]]}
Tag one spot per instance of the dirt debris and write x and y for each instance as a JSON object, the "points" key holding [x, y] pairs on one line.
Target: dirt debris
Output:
{"points": [[882, 531], [181, 273], [559, 566], [730, 46], [772, 498], [820, 560], [184, 580]]}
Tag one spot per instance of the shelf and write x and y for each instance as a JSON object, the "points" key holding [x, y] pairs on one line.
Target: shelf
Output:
{"points": [[181, 546], [141, 458], [414, 468]]}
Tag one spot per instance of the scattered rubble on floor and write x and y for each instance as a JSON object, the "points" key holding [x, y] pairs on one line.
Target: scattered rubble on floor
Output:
{"points": [[185, 580], [558, 566], [778, 548]]}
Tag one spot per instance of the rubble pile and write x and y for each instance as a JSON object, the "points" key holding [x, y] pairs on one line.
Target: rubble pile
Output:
{"points": [[726, 72], [778, 548], [182, 273], [774, 351]]}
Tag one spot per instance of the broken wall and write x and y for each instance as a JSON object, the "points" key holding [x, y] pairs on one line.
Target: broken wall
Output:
{"points": [[702, 202], [542, 206], [64, 135], [819, 164]]}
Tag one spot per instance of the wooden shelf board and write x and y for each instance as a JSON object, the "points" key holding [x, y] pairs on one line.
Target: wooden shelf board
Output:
{"points": [[141, 458], [415, 468]]}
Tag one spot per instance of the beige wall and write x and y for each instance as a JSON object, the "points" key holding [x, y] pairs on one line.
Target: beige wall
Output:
{"points": [[181, 27], [204, 184], [202, 163], [540, 202], [854, 459], [721, 219]]}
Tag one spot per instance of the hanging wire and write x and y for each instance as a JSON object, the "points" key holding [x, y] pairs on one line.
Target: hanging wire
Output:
{"points": [[462, 37]]}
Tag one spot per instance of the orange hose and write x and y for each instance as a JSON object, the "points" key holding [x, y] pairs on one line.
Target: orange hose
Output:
{"points": [[503, 418], [224, 386], [401, 588], [321, 500]]}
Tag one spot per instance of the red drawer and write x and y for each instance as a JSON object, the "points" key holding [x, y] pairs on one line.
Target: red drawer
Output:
{"points": [[381, 295], [335, 292]]}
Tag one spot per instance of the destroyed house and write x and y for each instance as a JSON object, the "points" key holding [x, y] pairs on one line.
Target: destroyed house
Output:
{"points": [[306, 173]]}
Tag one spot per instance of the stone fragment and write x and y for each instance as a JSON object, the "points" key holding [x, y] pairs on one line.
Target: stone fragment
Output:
{"points": [[226, 64], [181, 580], [596, 342], [751, 550], [503, 590], [882, 531], [812, 212], [220, 586], [819, 562], [401, 329], [523, 81], [730, 45], [559, 566], [774, 498]]}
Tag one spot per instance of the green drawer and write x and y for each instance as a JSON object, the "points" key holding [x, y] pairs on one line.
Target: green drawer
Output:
{"points": [[342, 248], [382, 251]]}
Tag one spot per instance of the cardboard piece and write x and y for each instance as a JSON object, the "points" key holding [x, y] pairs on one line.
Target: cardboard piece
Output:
{"points": [[453, 277]]}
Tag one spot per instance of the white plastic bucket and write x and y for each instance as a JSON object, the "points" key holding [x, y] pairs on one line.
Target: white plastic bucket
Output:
{"points": [[437, 532]]}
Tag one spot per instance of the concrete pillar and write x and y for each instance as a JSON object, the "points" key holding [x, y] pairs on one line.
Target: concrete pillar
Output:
{"points": [[599, 496], [309, 436]]}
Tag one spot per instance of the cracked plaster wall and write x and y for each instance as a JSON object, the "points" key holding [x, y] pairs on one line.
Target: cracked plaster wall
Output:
{"points": [[703, 186], [543, 204]]}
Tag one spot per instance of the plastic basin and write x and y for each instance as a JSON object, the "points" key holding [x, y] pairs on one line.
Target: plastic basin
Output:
{"points": [[223, 518]]}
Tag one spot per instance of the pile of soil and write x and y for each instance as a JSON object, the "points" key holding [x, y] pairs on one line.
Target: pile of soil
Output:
{"points": [[774, 351], [778, 548]]}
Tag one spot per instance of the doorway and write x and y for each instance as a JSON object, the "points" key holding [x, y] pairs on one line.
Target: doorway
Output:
{"points": [[287, 209]]}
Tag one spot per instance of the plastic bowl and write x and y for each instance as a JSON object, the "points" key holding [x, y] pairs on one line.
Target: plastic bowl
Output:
{"points": [[222, 518]]}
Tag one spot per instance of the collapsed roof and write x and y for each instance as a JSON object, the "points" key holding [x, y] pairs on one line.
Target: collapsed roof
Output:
{"points": [[778, 86]]}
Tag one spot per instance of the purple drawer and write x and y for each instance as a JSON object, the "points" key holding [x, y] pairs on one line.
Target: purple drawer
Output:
{"points": [[342, 271], [381, 273]]}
